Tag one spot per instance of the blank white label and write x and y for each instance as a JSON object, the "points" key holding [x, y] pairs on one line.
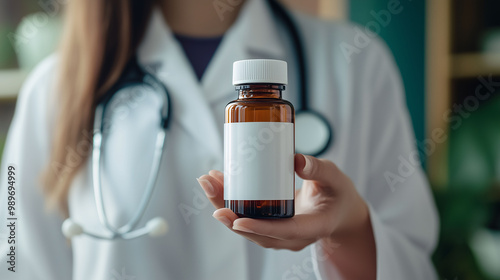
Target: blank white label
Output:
{"points": [[258, 161]]}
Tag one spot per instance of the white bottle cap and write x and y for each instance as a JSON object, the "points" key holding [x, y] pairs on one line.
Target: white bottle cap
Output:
{"points": [[257, 71]]}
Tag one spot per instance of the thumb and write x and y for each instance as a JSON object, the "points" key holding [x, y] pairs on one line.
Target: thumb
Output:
{"points": [[322, 171]]}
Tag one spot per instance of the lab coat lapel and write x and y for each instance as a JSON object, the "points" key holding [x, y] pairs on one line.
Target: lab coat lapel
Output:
{"points": [[163, 55], [253, 35]]}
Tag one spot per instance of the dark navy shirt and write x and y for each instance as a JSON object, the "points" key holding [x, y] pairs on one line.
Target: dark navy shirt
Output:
{"points": [[199, 51]]}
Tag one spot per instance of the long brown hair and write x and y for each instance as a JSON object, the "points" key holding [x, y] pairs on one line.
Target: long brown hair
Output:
{"points": [[100, 36]]}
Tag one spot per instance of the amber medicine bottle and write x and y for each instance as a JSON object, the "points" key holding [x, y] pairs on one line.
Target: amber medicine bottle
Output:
{"points": [[259, 178]]}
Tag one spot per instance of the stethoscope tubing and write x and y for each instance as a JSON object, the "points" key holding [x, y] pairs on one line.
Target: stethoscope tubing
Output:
{"points": [[281, 12], [150, 186], [294, 33], [127, 231]]}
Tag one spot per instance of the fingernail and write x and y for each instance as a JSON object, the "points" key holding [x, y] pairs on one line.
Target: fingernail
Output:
{"points": [[224, 220], [207, 187], [240, 228], [308, 166]]}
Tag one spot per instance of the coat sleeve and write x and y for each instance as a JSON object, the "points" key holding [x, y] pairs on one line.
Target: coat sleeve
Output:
{"points": [[402, 210], [33, 246]]}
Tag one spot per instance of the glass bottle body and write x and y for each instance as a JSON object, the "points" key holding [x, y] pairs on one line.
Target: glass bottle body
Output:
{"points": [[261, 103]]}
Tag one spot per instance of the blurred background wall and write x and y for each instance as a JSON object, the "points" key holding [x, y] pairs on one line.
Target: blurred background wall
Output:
{"points": [[448, 52]]}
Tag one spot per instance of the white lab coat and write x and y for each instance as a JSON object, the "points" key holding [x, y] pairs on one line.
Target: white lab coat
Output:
{"points": [[363, 100]]}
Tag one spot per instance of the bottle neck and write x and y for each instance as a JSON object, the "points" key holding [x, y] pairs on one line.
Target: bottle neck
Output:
{"points": [[260, 91]]}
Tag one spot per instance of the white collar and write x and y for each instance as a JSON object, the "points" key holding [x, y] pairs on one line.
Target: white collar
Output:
{"points": [[253, 35]]}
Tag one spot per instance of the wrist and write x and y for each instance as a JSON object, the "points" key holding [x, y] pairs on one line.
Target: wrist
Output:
{"points": [[354, 219]]}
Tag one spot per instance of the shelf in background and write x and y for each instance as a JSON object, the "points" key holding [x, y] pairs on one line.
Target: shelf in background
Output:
{"points": [[470, 65], [10, 83]]}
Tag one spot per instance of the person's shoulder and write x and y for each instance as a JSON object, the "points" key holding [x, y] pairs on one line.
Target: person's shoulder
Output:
{"points": [[42, 77], [351, 41], [39, 87], [37, 94]]}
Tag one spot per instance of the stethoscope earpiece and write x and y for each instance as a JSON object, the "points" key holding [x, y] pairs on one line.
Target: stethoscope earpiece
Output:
{"points": [[71, 229], [157, 227]]}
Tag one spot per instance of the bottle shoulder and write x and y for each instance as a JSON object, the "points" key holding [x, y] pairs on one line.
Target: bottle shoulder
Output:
{"points": [[259, 110], [261, 102]]}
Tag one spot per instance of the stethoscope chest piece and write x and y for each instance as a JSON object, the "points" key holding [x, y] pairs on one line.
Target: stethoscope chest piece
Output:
{"points": [[313, 134]]}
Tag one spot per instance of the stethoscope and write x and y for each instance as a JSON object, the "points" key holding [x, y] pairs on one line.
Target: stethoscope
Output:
{"points": [[134, 75], [314, 137]]}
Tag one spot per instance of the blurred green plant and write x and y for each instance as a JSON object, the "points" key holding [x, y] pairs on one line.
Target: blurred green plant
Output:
{"points": [[469, 203], [461, 214], [7, 52]]}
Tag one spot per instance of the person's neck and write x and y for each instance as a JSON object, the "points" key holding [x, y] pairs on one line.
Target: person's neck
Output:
{"points": [[199, 18]]}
